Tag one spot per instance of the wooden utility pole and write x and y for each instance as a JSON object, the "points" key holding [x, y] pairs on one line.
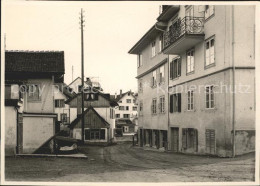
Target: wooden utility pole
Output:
{"points": [[82, 76]]}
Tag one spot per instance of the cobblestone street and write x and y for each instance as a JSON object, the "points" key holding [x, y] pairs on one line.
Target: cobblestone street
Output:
{"points": [[124, 163]]}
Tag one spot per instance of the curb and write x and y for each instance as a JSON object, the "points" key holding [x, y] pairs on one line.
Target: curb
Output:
{"points": [[79, 156]]}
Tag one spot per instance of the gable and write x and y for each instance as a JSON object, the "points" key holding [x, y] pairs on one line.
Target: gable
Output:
{"points": [[91, 120]]}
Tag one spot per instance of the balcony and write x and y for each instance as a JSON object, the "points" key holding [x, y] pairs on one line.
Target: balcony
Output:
{"points": [[183, 35]]}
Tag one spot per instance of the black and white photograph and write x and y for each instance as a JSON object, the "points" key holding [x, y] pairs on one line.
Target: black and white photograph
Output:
{"points": [[129, 92]]}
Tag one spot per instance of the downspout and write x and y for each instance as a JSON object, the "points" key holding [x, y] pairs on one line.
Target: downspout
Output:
{"points": [[168, 119], [234, 104], [168, 94]]}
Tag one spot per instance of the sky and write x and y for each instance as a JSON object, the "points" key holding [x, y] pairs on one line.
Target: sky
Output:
{"points": [[111, 29]]}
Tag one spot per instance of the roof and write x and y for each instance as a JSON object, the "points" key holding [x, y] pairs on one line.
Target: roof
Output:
{"points": [[149, 36], [118, 97], [124, 121], [75, 121], [106, 96], [168, 12], [34, 61]]}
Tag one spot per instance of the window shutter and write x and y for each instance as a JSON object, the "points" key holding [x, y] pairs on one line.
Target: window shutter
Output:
{"points": [[102, 134], [179, 102], [174, 106], [171, 70], [87, 134], [184, 138], [179, 67], [171, 103], [151, 83]]}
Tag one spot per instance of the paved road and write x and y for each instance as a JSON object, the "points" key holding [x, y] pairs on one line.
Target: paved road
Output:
{"points": [[124, 163]]}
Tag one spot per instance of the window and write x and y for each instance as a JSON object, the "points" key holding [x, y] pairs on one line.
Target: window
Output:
{"points": [[12, 91], [141, 107], [117, 115], [210, 103], [120, 101], [190, 61], [154, 102], [59, 103], [95, 134], [209, 11], [139, 60], [140, 87], [134, 108], [34, 93], [162, 104], [210, 51], [63, 117], [175, 68], [112, 113], [126, 115], [128, 100], [190, 139], [190, 100], [125, 129], [127, 108], [154, 78], [121, 108], [175, 103], [161, 74], [160, 43], [210, 141], [153, 49]]}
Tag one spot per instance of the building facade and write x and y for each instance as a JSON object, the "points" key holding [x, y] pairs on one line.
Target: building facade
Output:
{"points": [[29, 98], [211, 97], [99, 118], [152, 76]]}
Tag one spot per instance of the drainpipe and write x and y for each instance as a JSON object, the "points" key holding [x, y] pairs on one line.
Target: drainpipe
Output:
{"points": [[168, 94], [233, 69]]}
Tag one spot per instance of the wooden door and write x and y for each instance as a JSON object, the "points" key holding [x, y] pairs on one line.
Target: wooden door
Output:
{"points": [[175, 139], [210, 141]]}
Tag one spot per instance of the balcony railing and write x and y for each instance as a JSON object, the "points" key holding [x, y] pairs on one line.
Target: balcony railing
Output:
{"points": [[188, 25]]}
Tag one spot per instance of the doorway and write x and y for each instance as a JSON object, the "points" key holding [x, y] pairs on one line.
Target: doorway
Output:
{"points": [[175, 139]]}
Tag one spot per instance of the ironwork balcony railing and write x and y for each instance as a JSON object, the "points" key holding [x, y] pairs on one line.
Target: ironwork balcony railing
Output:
{"points": [[188, 25]]}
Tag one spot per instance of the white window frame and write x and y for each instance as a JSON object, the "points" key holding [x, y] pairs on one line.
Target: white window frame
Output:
{"points": [[160, 43], [161, 78], [154, 106], [209, 95], [190, 60], [210, 52], [139, 60], [190, 100], [140, 85], [154, 78], [162, 104], [141, 107], [30, 97], [153, 49]]}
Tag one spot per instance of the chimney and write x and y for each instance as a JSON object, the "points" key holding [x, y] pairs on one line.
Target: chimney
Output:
{"points": [[120, 93], [115, 95], [88, 81]]}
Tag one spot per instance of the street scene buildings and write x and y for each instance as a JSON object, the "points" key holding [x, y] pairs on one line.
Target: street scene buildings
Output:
{"points": [[193, 104], [192, 59]]}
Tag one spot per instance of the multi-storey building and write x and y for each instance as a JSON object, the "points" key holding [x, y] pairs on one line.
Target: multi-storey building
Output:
{"points": [[126, 112], [152, 73], [30, 118], [211, 54]]}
